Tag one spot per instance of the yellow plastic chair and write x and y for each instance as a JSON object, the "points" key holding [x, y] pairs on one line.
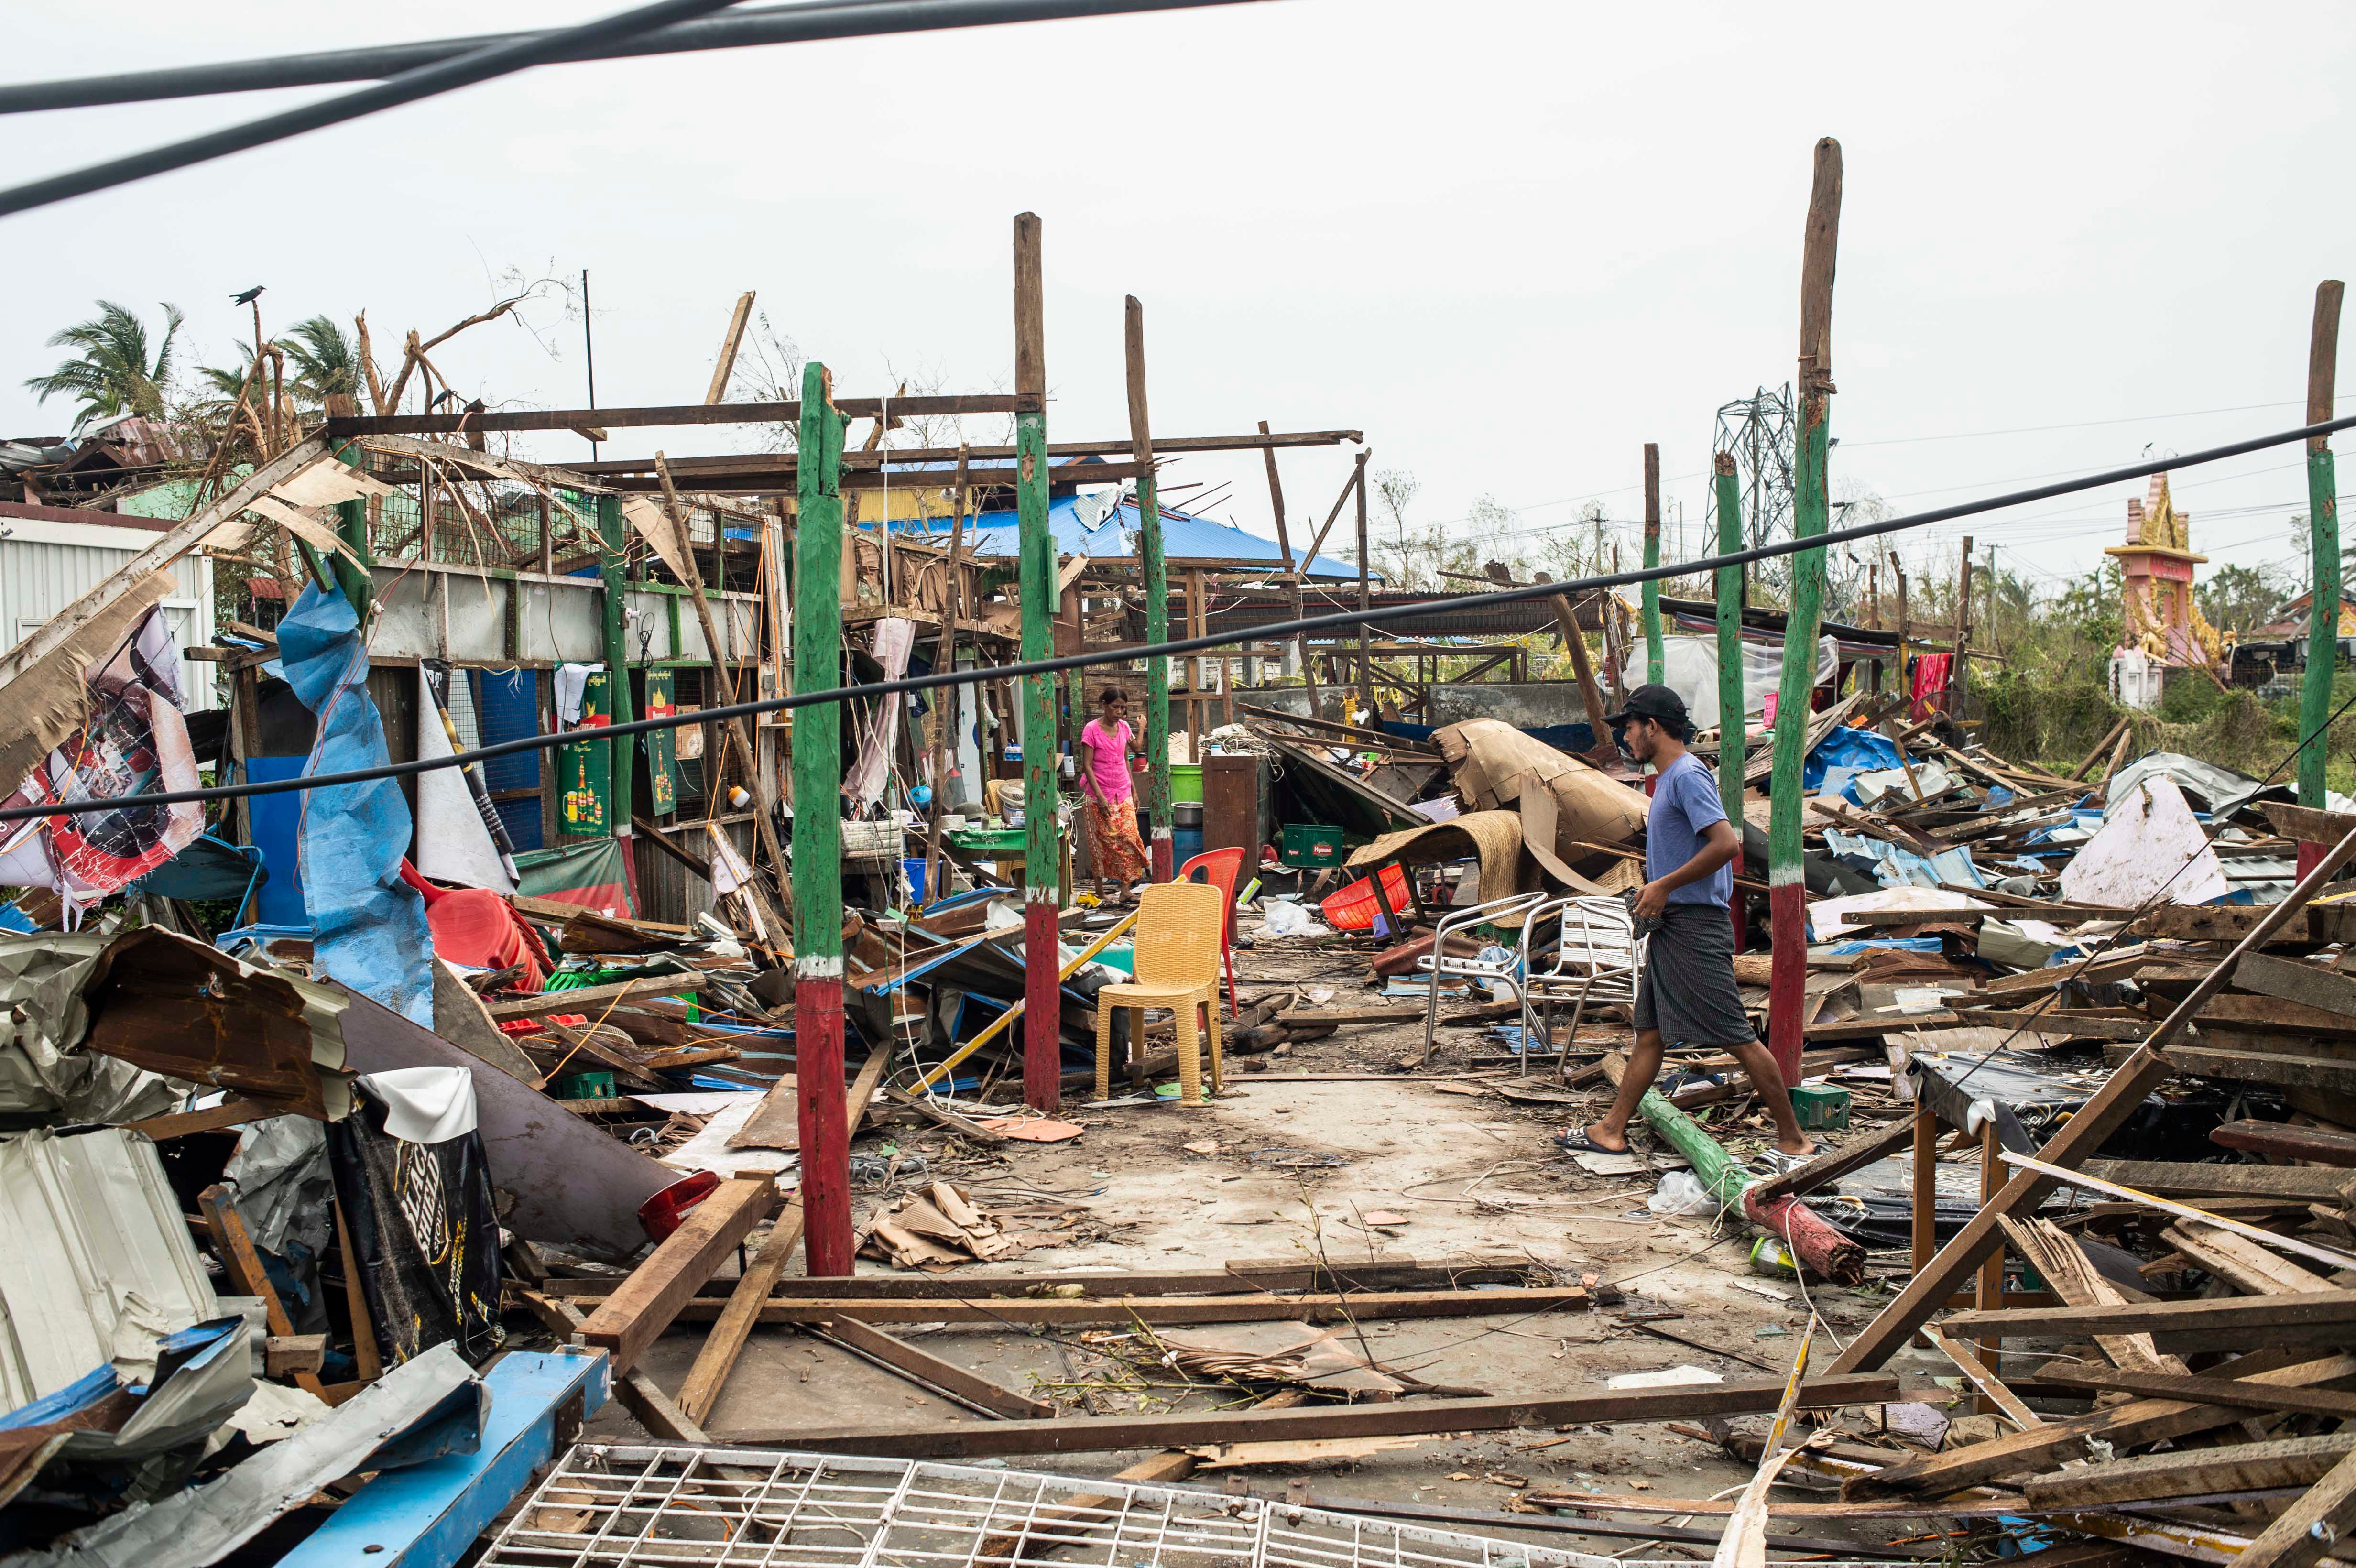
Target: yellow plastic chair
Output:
{"points": [[1177, 957]]}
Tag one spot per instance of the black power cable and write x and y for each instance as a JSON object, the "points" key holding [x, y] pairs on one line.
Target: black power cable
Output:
{"points": [[425, 81], [750, 26], [1129, 655]]}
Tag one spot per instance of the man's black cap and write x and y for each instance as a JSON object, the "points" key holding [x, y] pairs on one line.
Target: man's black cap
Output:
{"points": [[1651, 703]]}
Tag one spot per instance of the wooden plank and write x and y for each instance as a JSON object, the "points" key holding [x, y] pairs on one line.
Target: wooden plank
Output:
{"points": [[2272, 1012], [2310, 1527], [586, 998], [2283, 1140], [233, 1112], [244, 1265], [2306, 823], [2295, 980], [368, 1358], [927, 1367], [2194, 1178], [2305, 1318], [2195, 1472], [1349, 1015], [2239, 1393], [2217, 923], [1100, 1433], [627, 1321], [726, 1342], [1980, 1377], [1160, 1310], [2300, 1072], [2139, 1420], [2059, 1022], [2243, 1263], [1832, 1164], [1242, 1277]]}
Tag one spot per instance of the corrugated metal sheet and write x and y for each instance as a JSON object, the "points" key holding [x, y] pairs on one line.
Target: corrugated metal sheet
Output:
{"points": [[46, 566], [95, 1247]]}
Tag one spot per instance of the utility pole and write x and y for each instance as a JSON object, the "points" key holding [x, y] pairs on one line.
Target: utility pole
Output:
{"points": [[1654, 661], [1787, 894], [1157, 594], [2323, 540], [1732, 733], [1366, 599], [818, 830], [1043, 1066]]}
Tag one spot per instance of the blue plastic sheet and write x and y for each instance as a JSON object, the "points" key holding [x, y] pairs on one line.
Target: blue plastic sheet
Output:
{"points": [[1860, 751], [369, 925]]}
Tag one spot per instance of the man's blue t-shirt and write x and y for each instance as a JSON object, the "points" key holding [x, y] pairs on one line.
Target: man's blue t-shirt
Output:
{"points": [[1685, 803]]}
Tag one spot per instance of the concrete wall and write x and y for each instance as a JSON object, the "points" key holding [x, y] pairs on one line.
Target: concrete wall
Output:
{"points": [[1529, 704]]}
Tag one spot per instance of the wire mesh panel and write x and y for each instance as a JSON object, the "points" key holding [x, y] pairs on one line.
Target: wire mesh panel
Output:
{"points": [[608, 1506]]}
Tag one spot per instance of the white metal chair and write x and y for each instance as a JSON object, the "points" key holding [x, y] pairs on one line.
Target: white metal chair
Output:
{"points": [[1598, 959], [1442, 965]]}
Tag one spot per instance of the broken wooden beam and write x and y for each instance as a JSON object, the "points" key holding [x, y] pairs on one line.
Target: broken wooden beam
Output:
{"points": [[2324, 1146], [2238, 1392], [2312, 1526], [1100, 1433], [2193, 1472], [627, 1321], [1158, 1309], [2195, 1178], [2327, 1316], [1242, 1277], [643, 1396], [1835, 1163], [930, 1371]]}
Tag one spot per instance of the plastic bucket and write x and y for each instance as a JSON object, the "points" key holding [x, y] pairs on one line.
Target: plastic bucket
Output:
{"points": [[914, 868], [1353, 907], [1186, 781]]}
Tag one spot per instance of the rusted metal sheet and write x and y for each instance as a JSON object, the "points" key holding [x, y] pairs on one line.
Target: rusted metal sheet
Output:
{"points": [[172, 1006]]}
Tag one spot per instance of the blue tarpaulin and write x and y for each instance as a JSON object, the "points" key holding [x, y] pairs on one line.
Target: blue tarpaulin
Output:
{"points": [[1185, 536], [1860, 750], [369, 924]]}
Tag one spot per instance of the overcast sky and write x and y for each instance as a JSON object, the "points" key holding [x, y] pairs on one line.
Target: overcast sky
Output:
{"points": [[1511, 242]]}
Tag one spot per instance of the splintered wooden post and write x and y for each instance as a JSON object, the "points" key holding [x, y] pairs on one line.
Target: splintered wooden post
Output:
{"points": [[1731, 731], [1787, 895], [1654, 662], [613, 541], [1294, 571], [1043, 844], [1366, 597], [818, 830], [2323, 538], [1157, 594], [1957, 688]]}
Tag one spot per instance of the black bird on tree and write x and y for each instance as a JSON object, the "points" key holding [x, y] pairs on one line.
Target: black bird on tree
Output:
{"points": [[250, 295]]}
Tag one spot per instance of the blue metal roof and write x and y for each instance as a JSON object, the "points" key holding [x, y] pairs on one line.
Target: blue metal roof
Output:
{"points": [[1185, 536]]}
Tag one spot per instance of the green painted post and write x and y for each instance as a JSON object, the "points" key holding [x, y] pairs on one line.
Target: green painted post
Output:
{"points": [[1786, 891], [818, 830], [1157, 597], [613, 556], [2323, 535], [1731, 733], [1044, 850], [1656, 663]]}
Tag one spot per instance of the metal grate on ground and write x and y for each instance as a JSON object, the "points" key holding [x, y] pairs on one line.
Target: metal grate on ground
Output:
{"points": [[608, 1506]]}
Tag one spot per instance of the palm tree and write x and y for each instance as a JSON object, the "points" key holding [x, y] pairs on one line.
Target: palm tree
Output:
{"points": [[326, 362], [116, 374]]}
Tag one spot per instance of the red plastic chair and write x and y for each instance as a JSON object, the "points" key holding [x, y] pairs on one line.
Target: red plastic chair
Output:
{"points": [[1220, 867]]}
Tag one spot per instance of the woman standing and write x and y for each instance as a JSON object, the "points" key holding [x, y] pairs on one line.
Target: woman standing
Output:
{"points": [[1115, 848]]}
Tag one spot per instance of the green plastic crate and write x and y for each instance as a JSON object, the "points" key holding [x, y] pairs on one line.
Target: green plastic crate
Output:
{"points": [[1312, 845], [1821, 1108], [583, 1086]]}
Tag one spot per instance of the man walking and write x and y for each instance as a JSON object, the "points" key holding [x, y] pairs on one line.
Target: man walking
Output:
{"points": [[1687, 994]]}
